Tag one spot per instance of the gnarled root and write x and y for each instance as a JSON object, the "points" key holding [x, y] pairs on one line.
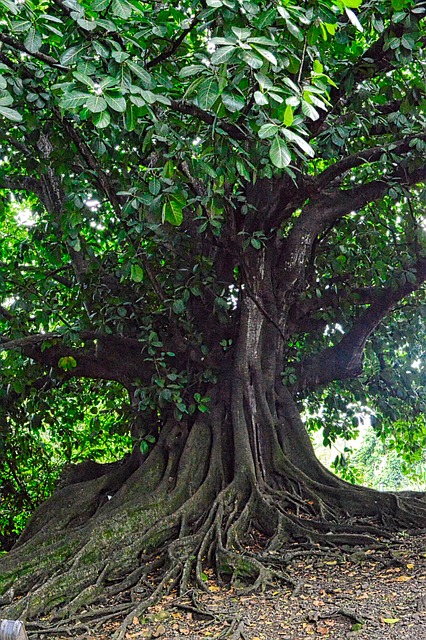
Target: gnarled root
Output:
{"points": [[171, 519]]}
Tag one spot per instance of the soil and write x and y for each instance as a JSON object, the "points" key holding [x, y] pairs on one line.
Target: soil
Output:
{"points": [[365, 594]]}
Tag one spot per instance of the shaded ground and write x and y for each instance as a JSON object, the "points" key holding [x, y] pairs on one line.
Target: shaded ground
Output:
{"points": [[368, 595]]}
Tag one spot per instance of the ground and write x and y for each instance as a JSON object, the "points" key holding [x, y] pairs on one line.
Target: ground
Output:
{"points": [[367, 594]]}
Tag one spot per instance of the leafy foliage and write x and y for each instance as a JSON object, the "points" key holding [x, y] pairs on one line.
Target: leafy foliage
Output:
{"points": [[159, 151]]}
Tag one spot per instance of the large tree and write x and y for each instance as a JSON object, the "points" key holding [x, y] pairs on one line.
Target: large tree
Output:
{"points": [[227, 215]]}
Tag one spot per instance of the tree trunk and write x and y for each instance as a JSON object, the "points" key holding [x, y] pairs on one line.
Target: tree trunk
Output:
{"points": [[247, 466]]}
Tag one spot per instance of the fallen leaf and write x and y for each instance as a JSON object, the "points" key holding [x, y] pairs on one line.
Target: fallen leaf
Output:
{"points": [[214, 588], [389, 620], [322, 630], [410, 566], [135, 621], [160, 631], [403, 578]]}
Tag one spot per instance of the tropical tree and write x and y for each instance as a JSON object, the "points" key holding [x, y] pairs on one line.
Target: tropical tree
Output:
{"points": [[224, 214]]}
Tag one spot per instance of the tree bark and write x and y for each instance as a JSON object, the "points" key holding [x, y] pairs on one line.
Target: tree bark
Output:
{"points": [[245, 466]]}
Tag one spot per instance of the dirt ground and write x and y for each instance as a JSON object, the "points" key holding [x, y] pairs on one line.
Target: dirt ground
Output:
{"points": [[364, 594]]}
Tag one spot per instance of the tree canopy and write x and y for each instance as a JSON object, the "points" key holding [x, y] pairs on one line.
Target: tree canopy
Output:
{"points": [[212, 216]]}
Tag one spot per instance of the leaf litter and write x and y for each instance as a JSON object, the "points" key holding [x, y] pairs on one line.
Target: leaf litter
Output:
{"points": [[373, 594]]}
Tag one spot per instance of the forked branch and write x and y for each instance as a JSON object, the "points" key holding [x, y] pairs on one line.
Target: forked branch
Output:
{"points": [[345, 359]]}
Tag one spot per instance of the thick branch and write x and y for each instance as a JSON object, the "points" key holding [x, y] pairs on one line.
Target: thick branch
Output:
{"points": [[192, 110], [366, 156], [344, 360], [15, 44], [5, 313], [111, 358], [174, 45], [21, 183], [327, 209], [301, 313]]}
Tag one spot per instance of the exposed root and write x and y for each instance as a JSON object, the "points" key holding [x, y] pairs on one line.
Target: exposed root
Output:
{"points": [[144, 547]]}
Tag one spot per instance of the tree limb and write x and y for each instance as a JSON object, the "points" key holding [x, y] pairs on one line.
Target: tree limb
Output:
{"points": [[192, 110], [327, 209], [111, 358], [174, 45], [15, 44], [365, 156], [5, 313], [344, 360]]}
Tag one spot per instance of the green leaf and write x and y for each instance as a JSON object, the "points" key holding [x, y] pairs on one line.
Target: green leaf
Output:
{"points": [[178, 307], [87, 25], [222, 54], [242, 34], [136, 273], [263, 41], [268, 55], [141, 73], [208, 93], [233, 102], [294, 30], [120, 56], [154, 186], [121, 8], [115, 101], [72, 54], [309, 110], [260, 98], [33, 41], [192, 70], [390, 620], [100, 5], [101, 120], [84, 79], [408, 42], [288, 116], [21, 26], [10, 6], [268, 130], [293, 137], [6, 100], [73, 100], [131, 117], [352, 4], [353, 18], [10, 114], [264, 81], [173, 209], [95, 104], [159, 97], [100, 49], [148, 96], [67, 363], [255, 243], [253, 60], [279, 153]]}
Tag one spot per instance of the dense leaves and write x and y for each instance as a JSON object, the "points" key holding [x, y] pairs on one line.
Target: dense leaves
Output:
{"points": [[149, 153]]}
